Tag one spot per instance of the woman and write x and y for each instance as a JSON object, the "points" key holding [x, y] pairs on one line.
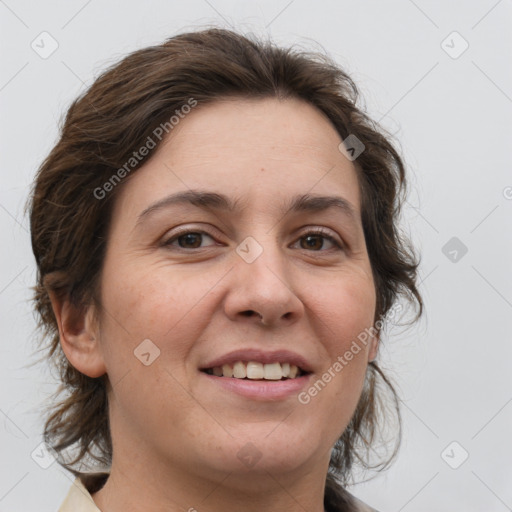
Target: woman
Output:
{"points": [[217, 247]]}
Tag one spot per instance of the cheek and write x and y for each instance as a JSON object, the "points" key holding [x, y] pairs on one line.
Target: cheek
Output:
{"points": [[146, 300], [159, 304], [345, 312], [148, 327], [347, 307]]}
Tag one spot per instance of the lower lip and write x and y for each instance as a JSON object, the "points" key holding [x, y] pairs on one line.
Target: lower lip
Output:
{"points": [[261, 389]]}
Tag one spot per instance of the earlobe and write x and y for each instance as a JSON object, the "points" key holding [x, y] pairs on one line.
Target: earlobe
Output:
{"points": [[79, 336], [374, 348]]}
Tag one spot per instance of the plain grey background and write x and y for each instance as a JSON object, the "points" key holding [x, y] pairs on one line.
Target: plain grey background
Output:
{"points": [[437, 74]]}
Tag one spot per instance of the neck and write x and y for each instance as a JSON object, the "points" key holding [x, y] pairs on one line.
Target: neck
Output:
{"points": [[139, 487]]}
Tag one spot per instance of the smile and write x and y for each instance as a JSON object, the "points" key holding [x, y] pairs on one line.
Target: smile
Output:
{"points": [[253, 370]]}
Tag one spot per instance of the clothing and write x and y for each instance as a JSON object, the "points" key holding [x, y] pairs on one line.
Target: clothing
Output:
{"points": [[363, 507], [79, 499]]}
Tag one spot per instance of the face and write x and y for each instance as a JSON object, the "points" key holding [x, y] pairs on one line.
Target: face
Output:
{"points": [[188, 286]]}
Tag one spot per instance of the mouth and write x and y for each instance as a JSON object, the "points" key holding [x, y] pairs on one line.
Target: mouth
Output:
{"points": [[260, 375], [255, 370]]}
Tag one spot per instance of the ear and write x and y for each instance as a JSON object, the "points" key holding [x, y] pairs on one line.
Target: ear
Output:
{"points": [[79, 336], [373, 347]]}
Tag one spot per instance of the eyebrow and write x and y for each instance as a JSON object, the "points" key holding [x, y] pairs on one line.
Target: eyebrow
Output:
{"points": [[213, 201]]}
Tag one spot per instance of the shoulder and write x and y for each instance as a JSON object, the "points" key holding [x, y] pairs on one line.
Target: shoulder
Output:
{"points": [[78, 499], [361, 506], [337, 498]]}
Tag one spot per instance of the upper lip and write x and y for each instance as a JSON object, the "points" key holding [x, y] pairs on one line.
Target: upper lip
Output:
{"points": [[261, 356]]}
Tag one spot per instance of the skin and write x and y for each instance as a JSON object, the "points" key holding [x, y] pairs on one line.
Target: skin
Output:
{"points": [[176, 436]]}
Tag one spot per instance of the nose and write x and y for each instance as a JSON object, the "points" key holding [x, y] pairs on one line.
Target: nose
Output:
{"points": [[262, 291]]}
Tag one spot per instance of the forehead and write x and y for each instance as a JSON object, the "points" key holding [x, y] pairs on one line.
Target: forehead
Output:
{"points": [[257, 127], [261, 151]]}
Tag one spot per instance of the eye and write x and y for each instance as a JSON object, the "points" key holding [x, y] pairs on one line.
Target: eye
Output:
{"points": [[314, 240], [187, 239]]}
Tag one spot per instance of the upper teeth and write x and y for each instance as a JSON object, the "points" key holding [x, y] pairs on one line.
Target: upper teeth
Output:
{"points": [[255, 370]]}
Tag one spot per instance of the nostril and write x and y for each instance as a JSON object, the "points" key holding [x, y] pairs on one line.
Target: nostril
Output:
{"points": [[249, 313]]}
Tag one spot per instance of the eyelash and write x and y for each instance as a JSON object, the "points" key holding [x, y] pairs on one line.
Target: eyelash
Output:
{"points": [[313, 232]]}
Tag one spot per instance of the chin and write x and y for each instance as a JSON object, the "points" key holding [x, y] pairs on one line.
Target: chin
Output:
{"points": [[279, 449]]}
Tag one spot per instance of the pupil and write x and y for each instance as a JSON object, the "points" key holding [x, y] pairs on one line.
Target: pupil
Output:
{"points": [[190, 237], [314, 237]]}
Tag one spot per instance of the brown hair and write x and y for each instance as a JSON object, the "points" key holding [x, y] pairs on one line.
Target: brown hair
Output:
{"points": [[117, 115]]}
